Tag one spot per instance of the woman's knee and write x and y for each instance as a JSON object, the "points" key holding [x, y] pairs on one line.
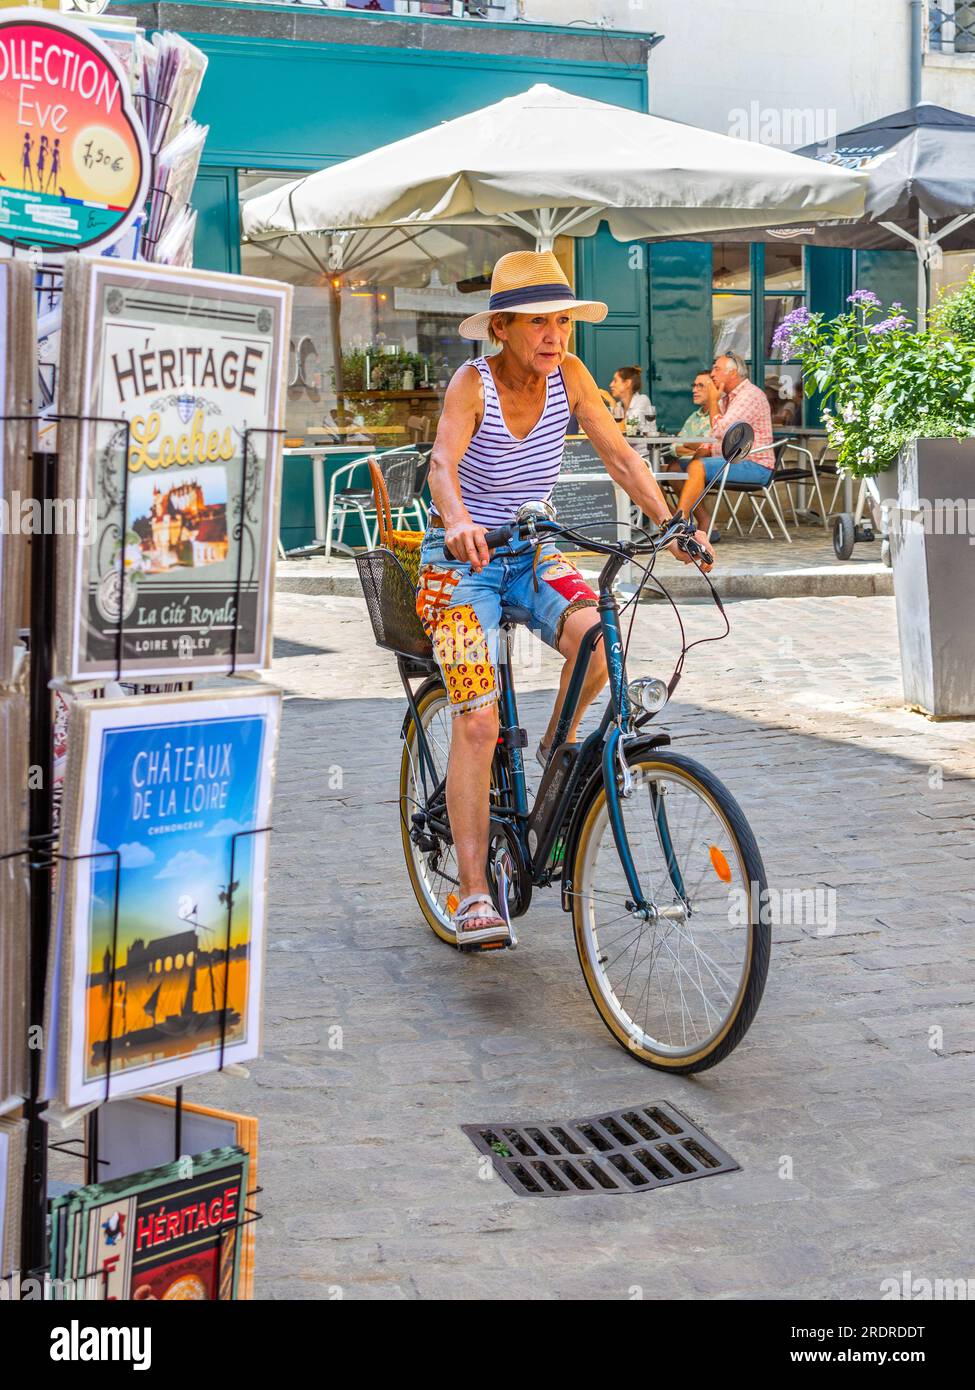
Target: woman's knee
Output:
{"points": [[476, 729], [573, 627]]}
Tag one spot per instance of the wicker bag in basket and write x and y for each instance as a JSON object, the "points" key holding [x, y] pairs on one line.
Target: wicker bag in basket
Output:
{"points": [[405, 545]]}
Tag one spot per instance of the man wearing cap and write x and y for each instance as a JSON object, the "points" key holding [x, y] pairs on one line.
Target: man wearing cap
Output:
{"points": [[499, 445]]}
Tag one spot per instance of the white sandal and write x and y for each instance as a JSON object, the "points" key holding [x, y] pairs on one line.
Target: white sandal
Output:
{"points": [[497, 929]]}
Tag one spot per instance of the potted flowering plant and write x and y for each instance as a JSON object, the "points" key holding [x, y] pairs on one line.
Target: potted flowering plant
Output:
{"points": [[883, 384], [899, 408]]}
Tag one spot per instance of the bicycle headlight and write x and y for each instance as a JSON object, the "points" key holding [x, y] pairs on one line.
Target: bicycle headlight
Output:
{"points": [[648, 694]]}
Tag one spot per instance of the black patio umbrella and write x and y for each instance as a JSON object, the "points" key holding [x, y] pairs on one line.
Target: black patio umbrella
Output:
{"points": [[920, 167]]}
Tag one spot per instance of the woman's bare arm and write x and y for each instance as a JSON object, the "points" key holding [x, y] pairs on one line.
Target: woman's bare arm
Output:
{"points": [[463, 407]]}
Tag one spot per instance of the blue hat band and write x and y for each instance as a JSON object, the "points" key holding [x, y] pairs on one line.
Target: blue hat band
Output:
{"points": [[508, 299]]}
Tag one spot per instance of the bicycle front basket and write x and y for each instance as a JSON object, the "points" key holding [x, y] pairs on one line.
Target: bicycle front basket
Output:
{"points": [[391, 601]]}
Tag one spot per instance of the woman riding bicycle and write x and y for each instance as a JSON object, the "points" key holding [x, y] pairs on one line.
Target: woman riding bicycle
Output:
{"points": [[499, 445]]}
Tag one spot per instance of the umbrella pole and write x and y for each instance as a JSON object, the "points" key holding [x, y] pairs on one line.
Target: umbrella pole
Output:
{"points": [[335, 314], [923, 253], [923, 244]]}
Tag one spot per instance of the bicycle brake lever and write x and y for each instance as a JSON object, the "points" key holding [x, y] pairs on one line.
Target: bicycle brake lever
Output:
{"points": [[696, 552]]}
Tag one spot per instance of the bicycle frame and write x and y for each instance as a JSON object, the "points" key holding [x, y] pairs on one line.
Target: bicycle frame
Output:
{"points": [[536, 836]]}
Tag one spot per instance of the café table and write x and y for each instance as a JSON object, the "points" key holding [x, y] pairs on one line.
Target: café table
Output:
{"points": [[318, 453], [654, 446]]}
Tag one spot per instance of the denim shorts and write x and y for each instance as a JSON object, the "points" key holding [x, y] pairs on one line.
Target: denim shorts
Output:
{"points": [[745, 471], [461, 611]]}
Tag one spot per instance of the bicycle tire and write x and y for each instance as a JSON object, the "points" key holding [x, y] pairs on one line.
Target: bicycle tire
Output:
{"points": [[431, 698], [752, 985]]}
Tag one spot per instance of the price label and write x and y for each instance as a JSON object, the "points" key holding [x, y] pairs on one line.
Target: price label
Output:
{"points": [[104, 158]]}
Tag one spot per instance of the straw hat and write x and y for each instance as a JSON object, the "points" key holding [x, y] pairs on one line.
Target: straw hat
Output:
{"points": [[531, 282]]}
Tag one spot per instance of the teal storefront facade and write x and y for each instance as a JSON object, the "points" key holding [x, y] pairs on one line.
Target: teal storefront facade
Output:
{"points": [[290, 89]]}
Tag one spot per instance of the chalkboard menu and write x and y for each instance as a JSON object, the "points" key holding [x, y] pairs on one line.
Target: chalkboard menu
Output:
{"points": [[588, 503]]}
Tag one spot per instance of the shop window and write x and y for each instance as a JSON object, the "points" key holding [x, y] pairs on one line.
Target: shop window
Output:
{"points": [[374, 337], [784, 289], [731, 299], [753, 288]]}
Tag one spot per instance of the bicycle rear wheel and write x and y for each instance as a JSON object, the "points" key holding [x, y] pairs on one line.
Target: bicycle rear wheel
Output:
{"points": [[677, 986]]}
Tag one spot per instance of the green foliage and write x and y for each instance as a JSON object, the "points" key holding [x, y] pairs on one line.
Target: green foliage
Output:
{"points": [[385, 369], [954, 314], [884, 383]]}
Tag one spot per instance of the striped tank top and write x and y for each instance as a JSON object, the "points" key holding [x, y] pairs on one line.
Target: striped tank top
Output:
{"points": [[499, 472]]}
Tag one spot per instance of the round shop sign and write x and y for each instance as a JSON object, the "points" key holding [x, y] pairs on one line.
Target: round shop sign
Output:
{"points": [[74, 165]]}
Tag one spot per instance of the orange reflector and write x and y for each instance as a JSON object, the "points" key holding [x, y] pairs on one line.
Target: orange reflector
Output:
{"points": [[453, 903], [720, 865]]}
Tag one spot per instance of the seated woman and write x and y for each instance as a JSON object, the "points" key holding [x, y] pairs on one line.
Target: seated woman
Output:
{"points": [[625, 390]]}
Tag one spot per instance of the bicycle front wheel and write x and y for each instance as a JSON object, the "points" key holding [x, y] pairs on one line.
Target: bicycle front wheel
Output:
{"points": [[678, 983]]}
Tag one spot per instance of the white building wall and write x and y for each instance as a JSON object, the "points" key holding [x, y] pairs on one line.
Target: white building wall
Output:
{"points": [[783, 66], [842, 61], [949, 80]]}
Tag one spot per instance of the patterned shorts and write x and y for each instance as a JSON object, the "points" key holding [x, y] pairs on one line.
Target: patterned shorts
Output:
{"points": [[461, 611]]}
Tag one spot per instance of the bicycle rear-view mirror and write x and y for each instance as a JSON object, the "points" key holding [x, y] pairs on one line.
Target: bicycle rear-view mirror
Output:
{"points": [[738, 439]]}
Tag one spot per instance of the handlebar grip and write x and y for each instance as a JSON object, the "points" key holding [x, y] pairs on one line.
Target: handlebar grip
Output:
{"points": [[501, 535]]}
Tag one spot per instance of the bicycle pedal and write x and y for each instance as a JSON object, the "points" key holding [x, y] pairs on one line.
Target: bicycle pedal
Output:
{"points": [[479, 946]]}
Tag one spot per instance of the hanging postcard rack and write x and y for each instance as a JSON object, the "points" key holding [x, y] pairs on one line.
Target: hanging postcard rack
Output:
{"points": [[224, 953], [92, 1284], [41, 853]]}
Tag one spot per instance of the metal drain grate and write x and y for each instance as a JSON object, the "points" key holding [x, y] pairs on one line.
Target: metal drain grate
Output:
{"points": [[631, 1150]]}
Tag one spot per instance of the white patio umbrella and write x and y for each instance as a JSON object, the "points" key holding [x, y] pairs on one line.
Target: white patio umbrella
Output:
{"points": [[407, 258], [549, 162]]}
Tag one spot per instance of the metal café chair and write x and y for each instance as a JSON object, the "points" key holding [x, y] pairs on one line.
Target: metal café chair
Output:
{"points": [[827, 467], [758, 494], [422, 473], [399, 469], [788, 477]]}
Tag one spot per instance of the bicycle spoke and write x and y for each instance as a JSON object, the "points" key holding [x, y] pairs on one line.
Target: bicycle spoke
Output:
{"points": [[672, 980]]}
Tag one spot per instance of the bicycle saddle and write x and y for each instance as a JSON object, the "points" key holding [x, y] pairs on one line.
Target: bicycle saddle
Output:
{"points": [[514, 613]]}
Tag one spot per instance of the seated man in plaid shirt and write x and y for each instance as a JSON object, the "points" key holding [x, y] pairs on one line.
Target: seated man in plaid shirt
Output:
{"points": [[739, 399]]}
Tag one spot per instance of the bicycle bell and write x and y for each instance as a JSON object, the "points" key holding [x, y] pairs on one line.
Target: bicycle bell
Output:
{"points": [[535, 511]]}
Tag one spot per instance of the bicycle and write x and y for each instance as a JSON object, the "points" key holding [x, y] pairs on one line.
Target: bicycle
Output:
{"points": [[654, 858]]}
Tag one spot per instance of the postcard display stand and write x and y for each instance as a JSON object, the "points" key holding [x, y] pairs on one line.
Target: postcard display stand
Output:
{"points": [[107, 608], [43, 852]]}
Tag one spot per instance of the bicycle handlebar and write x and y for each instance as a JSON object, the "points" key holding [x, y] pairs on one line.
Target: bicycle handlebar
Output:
{"points": [[501, 535], [678, 529]]}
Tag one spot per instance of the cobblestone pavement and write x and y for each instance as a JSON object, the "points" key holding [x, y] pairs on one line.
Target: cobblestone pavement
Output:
{"points": [[848, 1105]]}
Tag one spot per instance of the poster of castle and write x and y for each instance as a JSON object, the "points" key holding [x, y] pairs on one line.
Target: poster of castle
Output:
{"points": [[178, 377], [162, 899]]}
